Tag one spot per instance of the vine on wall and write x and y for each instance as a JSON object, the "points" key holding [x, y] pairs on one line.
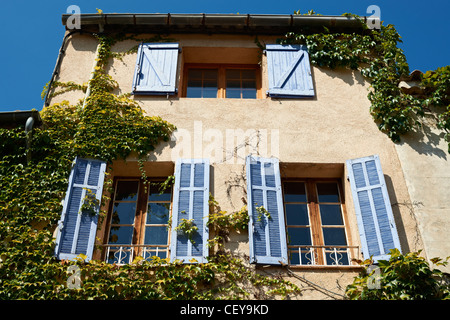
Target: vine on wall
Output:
{"points": [[105, 126], [111, 126], [379, 59]]}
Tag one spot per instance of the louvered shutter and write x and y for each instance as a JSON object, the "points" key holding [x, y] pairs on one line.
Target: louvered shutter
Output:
{"points": [[190, 201], [267, 236], [373, 209], [156, 68], [289, 71], [77, 229]]}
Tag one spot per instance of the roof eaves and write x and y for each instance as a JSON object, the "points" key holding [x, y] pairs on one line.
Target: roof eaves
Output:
{"points": [[213, 23]]}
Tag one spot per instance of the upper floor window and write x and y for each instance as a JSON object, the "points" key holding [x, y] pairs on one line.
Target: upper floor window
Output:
{"points": [[222, 72], [221, 81]]}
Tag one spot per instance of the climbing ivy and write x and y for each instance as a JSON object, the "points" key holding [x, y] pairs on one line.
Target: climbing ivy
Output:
{"points": [[401, 277], [107, 126], [104, 126], [377, 56]]}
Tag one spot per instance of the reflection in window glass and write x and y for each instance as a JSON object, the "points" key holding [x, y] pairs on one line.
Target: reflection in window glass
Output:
{"points": [[315, 227], [127, 190], [294, 192], [330, 214], [123, 213], [334, 236], [139, 228], [328, 192], [241, 83], [156, 235], [337, 257], [158, 213], [202, 83], [299, 236], [157, 221], [297, 214], [121, 235]]}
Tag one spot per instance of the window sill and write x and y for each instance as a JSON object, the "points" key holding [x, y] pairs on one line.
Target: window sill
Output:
{"points": [[331, 268]]}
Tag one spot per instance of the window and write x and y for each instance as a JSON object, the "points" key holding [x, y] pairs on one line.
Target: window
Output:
{"points": [[222, 81], [139, 221], [315, 223]]}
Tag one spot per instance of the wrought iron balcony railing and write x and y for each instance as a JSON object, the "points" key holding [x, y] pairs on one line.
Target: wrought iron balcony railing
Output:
{"points": [[323, 255], [125, 254]]}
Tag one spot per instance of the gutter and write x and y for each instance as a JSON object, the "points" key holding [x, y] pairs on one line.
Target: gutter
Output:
{"points": [[214, 23], [61, 53], [15, 119]]}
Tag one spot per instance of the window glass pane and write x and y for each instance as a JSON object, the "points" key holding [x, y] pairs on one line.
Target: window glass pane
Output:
{"points": [[156, 195], [210, 74], [212, 84], [337, 258], [149, 254], [294, 192], [195, 74], [328, 192], [233, 74], [233, 84], [194, 92], [299, 236], [249, 94], [123, 213], [126, 190], [334, 236], [119, 256], [158, 213], [194, 83], [294, 257], [209, 93], [297, 214], [248, 74], [249, 85], [202, 83], [121, 235], [234, 93], [156, 235], [330, 214]]}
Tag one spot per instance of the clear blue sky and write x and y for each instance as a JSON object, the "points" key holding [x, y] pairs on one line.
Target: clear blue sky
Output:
{"points": [[31, 32]]}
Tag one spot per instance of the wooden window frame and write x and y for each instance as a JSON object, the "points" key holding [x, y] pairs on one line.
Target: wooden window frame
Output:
{"points": [[315, 224], [221, 81], [140, 217]]}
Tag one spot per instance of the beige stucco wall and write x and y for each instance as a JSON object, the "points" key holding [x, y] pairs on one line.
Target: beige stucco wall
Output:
{"points": [[330, 128], [424, 157]]}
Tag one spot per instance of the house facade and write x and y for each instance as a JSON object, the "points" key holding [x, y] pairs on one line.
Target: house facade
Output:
{"points": [[258, 126]]}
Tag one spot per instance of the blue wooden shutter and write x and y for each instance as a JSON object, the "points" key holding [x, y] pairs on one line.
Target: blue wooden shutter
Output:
{"points": [[373, 209], [156, 68], [267, 236], [76, 229], [289, 71], [190, 201]]}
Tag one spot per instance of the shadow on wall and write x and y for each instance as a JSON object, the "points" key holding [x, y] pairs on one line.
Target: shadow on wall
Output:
{"points": [[397, 215], [426, 140], [415, 238]]}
